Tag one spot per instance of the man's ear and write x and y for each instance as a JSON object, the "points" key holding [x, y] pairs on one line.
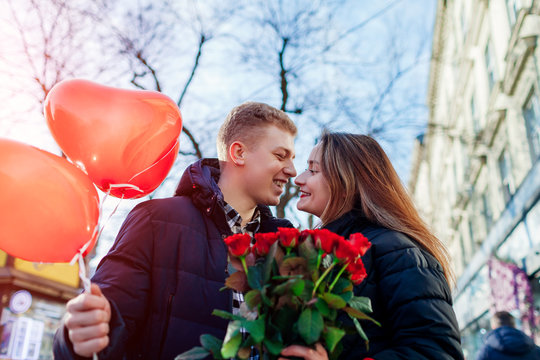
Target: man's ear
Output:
{"points": [[237, 152]]}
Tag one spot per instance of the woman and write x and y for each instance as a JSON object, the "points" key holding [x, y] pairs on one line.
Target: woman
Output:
{"points": [[352, 187]]}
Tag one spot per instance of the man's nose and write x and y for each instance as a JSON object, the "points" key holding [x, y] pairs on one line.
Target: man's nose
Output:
{"points": [[290, 170]]}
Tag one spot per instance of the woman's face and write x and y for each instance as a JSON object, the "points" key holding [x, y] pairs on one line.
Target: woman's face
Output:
{"points": [[314, 189]]}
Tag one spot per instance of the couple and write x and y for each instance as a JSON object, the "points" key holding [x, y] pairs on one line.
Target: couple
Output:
{"points": [[153, 293]]}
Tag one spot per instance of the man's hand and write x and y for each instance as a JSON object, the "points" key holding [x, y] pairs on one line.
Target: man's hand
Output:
{"points": [[87, 321], [319, 353]]}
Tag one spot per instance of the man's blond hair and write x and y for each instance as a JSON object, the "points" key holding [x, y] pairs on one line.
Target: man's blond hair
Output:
{"points": [[247, 122]]}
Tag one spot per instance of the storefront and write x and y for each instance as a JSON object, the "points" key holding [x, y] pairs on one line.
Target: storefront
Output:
{"points": [[509, 280], [33, 298]]}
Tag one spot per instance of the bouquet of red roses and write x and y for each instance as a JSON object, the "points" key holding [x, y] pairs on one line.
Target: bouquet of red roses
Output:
{"points": [[294, 284]]}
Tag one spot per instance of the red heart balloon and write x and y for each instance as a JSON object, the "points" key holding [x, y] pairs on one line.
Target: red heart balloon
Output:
{"points": [[125, 140], [50, 208]]}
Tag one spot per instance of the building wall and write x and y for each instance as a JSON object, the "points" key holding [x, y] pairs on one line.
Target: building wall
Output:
{"points": [[476, 172]]}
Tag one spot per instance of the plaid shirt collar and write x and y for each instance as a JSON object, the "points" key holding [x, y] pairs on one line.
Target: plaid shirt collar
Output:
{"points": [[235, 220]]}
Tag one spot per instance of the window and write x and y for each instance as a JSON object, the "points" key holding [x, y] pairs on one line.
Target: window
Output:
{"points": [[531, 114], [505, 170], [490, 66]]}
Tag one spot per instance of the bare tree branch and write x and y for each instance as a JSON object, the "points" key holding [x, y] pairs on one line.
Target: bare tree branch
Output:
{"points": [[202, 40]]}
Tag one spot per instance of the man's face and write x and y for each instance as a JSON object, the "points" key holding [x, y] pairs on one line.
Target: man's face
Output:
{"points": [[269, 165]]}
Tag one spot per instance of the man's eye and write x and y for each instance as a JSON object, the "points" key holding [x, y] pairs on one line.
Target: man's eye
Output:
{"points": [[280, 156]]}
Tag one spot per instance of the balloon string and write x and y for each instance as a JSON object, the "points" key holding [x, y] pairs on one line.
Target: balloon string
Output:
{"points": [[131, 186], [95, 233], [111, 214], [155, 163]]}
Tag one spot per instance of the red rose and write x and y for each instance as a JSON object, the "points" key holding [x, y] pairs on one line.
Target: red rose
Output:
{"points": [[324, 239], [360, 242], [263, 241], [357, 271], [289, 237], [345, 251], [304, 234], [239, 244]]}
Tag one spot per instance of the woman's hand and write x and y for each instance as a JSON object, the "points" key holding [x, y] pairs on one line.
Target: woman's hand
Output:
{"points": [[319, 353]]}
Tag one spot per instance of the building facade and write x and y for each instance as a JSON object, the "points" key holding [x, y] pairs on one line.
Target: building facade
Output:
{"points": [[32, 299], [476, 170]]}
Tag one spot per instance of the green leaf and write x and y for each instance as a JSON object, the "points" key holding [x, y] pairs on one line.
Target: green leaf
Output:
{"points": [[361, 303], [333, 314], [332, 336], [323, 308], [226, 315], [343, 284], [334, 301], [294, 286], [306, 294], [308, 252], [273, 346], [361, 332], [310, 325], [347, 296], [195, 353], [298, 287], [353, 313], [255, 328], [285, 319], [256, 277], [212, 344], [232, 340], [268, 263], [253, 299]]}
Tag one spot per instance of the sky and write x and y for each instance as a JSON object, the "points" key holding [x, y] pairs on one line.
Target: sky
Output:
{"points": [[21, 118]]}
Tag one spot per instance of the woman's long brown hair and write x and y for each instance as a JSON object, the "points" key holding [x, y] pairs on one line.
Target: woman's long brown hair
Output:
{"points": [[361, 176]]}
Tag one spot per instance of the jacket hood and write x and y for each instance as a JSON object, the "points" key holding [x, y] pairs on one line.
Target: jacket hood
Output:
{"points": [[509, 341], [200, 183]]}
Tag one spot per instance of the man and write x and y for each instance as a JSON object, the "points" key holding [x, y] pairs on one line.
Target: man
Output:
{"points": [[153, 294], [505, 342]]}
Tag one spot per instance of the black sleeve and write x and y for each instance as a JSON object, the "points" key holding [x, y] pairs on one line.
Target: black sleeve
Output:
{"points": [[124, 277], [418, 305]]}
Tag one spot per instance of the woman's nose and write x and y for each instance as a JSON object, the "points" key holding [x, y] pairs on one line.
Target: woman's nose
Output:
{"points": [[299, 181]]}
